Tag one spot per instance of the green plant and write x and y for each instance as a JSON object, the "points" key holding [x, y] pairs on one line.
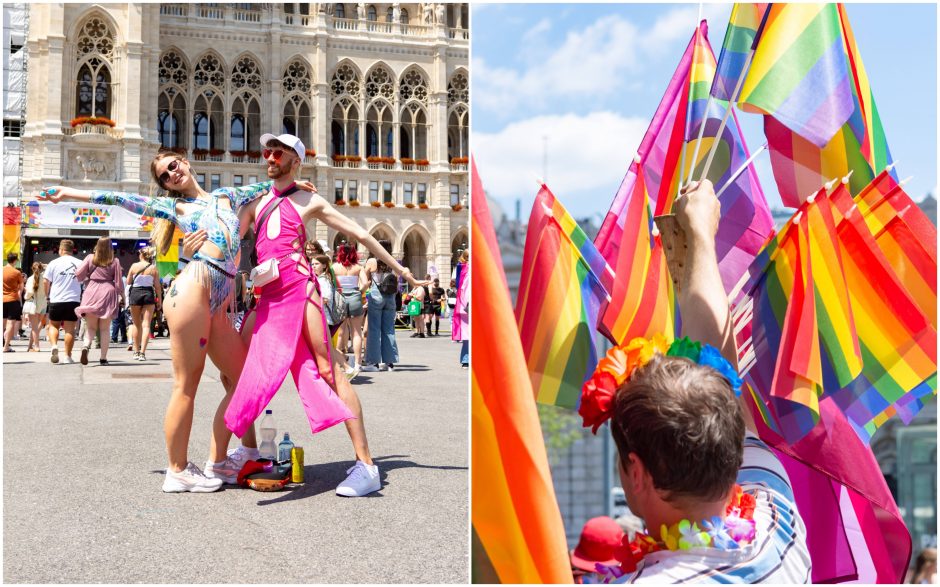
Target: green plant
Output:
{"points": [[561, 428]]}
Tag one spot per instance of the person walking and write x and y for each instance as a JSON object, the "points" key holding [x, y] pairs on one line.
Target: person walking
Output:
{"points": [[102, 297], [381, 348], [119, 324], [34, 308], [460, 321], [64, 293], [352, 284], [437, 306], [12, 302], [145, 293]]}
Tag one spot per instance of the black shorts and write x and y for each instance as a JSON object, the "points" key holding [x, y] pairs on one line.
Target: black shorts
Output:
{"points": [[63, 312], [13, 310], [142, 296]]}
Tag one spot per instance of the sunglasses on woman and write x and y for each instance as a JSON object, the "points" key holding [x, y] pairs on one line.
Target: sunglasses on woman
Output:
{"points": [[171, 168]]}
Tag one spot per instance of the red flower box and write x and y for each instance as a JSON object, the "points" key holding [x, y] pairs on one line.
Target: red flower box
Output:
{"points": [[340, 202], [423, 206], [409, 205], [459, 160], [353, 203], [92, 120], [310, 153], [389, 204], [376, 204], [457, 207]]}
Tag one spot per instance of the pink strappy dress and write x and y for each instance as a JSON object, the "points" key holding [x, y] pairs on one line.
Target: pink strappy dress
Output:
{"points": [[277, 343]]}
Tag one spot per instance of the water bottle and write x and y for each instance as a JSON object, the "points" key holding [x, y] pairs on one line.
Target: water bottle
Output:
{"points": [[268, 449], [283, 449]]}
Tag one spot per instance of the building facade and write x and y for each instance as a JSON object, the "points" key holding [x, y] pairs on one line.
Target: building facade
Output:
{"points": [[14, 97], [377, 92]]}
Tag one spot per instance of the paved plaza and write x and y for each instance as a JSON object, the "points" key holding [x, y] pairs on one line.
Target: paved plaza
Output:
{"points": [[84, 460]]}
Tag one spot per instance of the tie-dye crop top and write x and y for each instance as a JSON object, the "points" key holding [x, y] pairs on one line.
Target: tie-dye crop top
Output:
{"points": [[220, 222]]}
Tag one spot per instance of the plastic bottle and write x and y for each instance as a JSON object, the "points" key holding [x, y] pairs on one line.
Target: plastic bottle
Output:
{"points": [[283, 449], [268, 449]]}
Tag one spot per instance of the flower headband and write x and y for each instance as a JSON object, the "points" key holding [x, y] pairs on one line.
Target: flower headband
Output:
{"points": [[597, 394]]}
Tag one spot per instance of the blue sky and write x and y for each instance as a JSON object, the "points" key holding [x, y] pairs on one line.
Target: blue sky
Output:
{"points": [[589, 77]]}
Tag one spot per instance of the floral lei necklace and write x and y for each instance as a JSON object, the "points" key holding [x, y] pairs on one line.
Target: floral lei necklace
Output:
{"points": [[731, 533]]}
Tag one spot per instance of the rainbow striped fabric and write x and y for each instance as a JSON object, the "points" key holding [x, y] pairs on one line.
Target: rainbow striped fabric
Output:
{"points": [[559, 302], [799, 73], [824, 285], [801, 167], [666, 154], [517, 531], [898, 338], [642, 300], [735, 49], [906, 236]]}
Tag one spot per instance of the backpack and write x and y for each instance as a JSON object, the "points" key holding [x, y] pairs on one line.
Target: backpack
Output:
{"points": [[389, 284]]}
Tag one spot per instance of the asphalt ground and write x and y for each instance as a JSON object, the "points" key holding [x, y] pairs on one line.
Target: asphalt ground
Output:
{"points": [[84, 460]]}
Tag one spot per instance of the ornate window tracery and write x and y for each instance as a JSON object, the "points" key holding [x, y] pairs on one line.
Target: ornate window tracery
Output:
{"points": [[458, 118], [171, 105], [295, 90], [94, 52]]}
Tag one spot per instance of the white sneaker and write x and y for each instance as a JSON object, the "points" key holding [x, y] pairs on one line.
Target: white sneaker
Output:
{"points": [[369, 368], [189, 479], [68, 360], [227, 471], [242, 455], [353, 373], [363, 479]]}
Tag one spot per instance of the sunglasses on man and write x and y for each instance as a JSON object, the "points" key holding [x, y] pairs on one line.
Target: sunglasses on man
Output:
{"points": [[276, 153]]}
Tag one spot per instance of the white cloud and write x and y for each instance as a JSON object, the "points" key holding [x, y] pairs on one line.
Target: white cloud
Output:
{"points": [[585, 152], [591, 63]]}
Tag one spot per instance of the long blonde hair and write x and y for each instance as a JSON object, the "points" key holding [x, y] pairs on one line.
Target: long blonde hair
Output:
{"points": [[37, 275], [104, 254], [163, 230]]}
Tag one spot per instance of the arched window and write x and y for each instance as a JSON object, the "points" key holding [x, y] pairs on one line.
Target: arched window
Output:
{"points": [[94, 51], [404, 143], [346, 89], [168, 127], [200, 131], [404, 16], [389, 141], [339, 11], [390, 14], [237, 139], [372, 16], [173, 78], [413, 96], [208, 109], [372, 141], [295, 90], [288, 127], [458, 120]]}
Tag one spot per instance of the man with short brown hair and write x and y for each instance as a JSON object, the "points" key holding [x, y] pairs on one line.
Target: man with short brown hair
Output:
{"points": [[688, 451], [12, 303]]}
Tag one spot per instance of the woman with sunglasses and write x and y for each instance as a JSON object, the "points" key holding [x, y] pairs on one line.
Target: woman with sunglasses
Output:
{"points": [[195, 307]]}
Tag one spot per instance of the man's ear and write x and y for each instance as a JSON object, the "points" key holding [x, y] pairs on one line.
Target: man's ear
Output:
{"points": [[637, 475]]}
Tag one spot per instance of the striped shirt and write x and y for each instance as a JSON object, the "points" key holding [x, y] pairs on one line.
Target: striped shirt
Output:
{"points": [[778, 553]]}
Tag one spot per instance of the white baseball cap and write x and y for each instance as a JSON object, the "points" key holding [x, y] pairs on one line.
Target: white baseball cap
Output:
{"points": [[290, 140]]}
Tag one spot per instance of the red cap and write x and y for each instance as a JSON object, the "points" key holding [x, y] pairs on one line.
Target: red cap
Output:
{"points": [[600, 537]]}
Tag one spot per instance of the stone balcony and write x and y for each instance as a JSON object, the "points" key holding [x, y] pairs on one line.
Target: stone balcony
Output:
{"points": [[94, 134]]}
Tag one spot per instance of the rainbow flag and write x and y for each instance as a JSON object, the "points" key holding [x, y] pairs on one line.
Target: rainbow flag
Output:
{"points": [[12, 222], [860, 146], [167, 264], [798, 305], [559, 302], [739, 39], [642, 299], [799, 73], [517, 531], [666, 156], [906, 236], [898, 339]]}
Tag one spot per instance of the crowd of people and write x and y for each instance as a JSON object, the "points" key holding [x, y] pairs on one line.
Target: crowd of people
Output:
{"points": [[287, 315]]}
